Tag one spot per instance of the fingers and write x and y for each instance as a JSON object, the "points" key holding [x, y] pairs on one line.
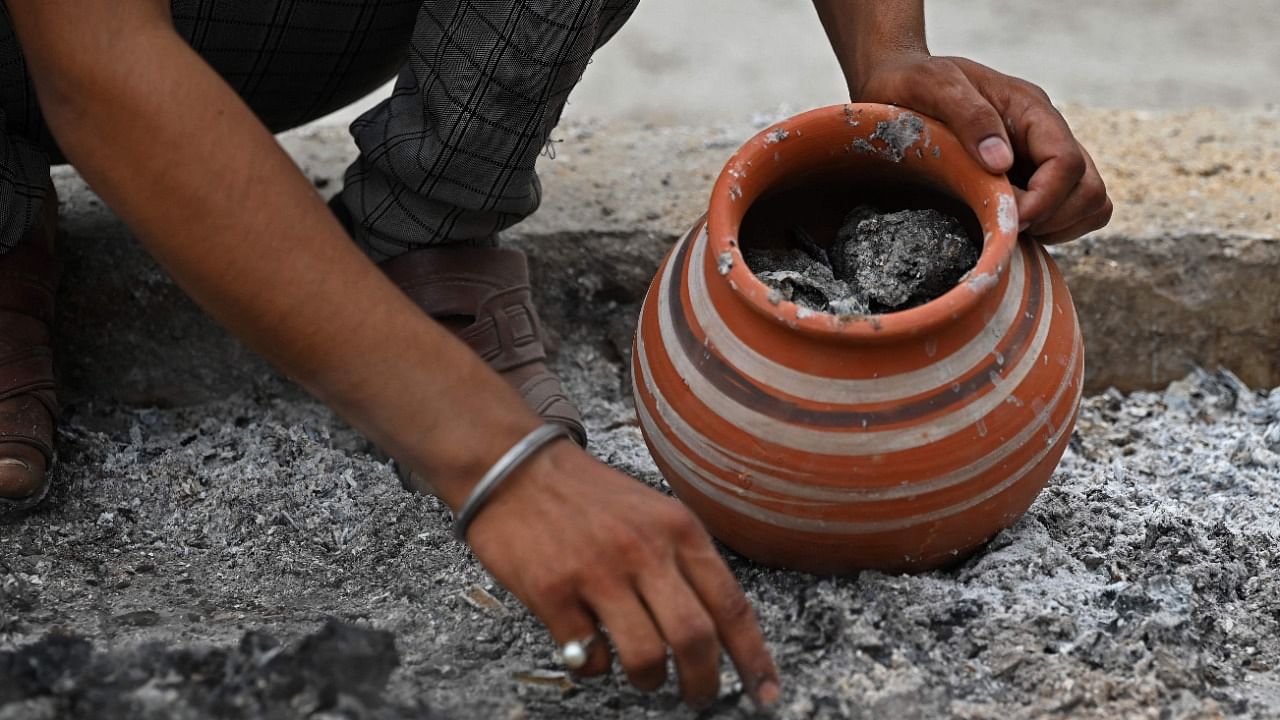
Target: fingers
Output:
{"points": [[1080, 228], [941, 89], [689, 630], [1009, 126], [635, 638], [1059, 163], [1065, 196], [689, 601], [1085, 209], [571, 621], [734, 620], [624, 558]]}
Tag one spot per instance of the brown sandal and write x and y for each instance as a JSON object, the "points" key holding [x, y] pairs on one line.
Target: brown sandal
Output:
{"points": [[490, 288], [28, 404]]}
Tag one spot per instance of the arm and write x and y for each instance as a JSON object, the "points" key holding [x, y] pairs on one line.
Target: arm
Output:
{"points": [[210, 194], [213, 197], [1009, 125]]}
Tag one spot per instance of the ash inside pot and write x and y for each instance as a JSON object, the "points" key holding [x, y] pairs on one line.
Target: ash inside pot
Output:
{"points": [[877, 263]]}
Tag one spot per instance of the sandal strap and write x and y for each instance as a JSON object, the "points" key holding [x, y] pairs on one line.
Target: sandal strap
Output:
{"points": [[29, 371], [455, 281], [506, 332], [27, 420], [489, 284], [546, 396], [28, 283]]}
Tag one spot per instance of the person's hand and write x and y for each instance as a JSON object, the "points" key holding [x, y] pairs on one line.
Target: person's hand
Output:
{"points": [[582, 546], [1008, 125]]}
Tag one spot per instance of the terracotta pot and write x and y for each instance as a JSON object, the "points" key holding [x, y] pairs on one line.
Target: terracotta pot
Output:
{"points": [[830, 444]]}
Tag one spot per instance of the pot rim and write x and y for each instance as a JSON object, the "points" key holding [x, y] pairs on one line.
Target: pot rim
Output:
{"points": [[731, 198]]}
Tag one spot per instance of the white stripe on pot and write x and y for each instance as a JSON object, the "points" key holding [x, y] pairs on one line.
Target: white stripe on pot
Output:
{"points": [[711, 487], [724, 461]]}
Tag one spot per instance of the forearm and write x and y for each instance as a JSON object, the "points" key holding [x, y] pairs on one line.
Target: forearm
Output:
{"points": [[863, 33], [212, 196]]}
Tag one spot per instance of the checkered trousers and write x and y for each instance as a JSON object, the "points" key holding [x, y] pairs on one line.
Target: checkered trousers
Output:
{"points": [[447, 158]]}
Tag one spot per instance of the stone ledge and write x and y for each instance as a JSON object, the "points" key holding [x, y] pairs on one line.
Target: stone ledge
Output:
{"points": [[1185, 275]]}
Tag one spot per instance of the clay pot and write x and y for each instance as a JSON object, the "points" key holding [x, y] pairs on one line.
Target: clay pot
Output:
{"points": [[901, 441]]}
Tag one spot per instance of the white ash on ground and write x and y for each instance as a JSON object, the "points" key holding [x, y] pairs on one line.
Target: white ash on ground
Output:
{"points": [[1142, 583]]}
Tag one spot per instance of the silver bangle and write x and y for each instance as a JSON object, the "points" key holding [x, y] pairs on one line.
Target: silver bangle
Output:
{"points": [[501, 470]]}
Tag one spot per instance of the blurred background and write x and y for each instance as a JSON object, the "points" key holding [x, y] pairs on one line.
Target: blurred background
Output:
{"points": [[699, 61]]}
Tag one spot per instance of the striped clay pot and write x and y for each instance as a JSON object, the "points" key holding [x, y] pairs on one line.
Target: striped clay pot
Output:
{"points": [[829, 444]]}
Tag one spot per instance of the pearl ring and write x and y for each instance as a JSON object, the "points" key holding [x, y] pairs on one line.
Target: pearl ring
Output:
{"points": [[575, 652]]}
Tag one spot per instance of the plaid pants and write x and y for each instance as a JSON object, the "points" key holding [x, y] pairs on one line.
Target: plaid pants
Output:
{"points": [[448, 158]]}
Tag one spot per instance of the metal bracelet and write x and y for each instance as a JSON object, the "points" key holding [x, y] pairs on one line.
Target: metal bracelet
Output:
{"points": [[501, 470]]}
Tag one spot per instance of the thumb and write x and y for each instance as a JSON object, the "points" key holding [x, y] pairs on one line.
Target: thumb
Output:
{"points": [[948, 95]]}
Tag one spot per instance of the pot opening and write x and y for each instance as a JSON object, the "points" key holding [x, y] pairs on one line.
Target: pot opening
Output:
{"points": [[813, 169], [848, 247]]}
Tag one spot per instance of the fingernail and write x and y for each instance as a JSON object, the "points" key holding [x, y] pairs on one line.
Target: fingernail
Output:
{"points": [[768, 693], [995, 153]]}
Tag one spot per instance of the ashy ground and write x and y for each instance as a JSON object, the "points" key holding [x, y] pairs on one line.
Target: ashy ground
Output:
{"points": [[193, 563]]}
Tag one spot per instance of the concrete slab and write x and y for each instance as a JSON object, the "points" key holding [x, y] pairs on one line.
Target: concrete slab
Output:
{"points": [[1184, 276]]}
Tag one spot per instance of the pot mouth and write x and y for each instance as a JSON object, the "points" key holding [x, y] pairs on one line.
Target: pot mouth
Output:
{"points": [[869, 142]]}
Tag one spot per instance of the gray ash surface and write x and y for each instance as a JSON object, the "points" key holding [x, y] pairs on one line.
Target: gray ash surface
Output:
{"points": [[1144, 582], [341, 670], [878, 262]]}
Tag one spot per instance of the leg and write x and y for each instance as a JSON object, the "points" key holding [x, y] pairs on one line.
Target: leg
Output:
{"points": [[291, 60], [449, 157], [27, 282], [28, 403], [28, 275], [24, 162]]}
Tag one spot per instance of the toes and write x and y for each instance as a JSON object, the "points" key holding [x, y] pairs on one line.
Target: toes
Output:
{"points": [[22, 470]]}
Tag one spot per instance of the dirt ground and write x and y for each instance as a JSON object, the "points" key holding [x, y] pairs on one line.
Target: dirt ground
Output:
{"points": [[253, 557]]}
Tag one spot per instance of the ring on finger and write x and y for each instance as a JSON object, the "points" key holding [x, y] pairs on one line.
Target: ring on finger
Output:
{"points": [[574, 653]]}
